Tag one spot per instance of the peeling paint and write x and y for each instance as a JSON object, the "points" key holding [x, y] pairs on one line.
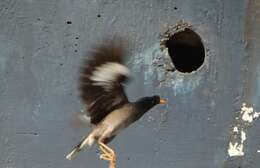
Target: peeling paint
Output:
{"points": [[235, 149], [243, 136], [235, 129], [248, 113], [238, 138]]}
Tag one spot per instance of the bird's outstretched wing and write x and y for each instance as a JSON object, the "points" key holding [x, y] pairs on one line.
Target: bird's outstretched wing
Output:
{"points": [[101, 80]]}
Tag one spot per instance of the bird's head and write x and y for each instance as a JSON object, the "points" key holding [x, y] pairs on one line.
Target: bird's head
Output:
{"points": [[146, 103]]}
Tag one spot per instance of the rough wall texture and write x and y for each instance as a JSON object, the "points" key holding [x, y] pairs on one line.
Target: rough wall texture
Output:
{"points": [[41, 46]]}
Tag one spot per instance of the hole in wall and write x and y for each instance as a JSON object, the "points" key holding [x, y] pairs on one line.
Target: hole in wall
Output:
{"points": [[186, 50]]}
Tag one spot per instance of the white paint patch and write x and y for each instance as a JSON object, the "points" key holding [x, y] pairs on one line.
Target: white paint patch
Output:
{"points": [[235, 129], [248, 113], [243, 137], [247, 116], [109, 72], [256, 115], [258, 151], [235, 149]]}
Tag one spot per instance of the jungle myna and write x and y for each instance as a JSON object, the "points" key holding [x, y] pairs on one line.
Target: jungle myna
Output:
{"points": [[102, 92]]}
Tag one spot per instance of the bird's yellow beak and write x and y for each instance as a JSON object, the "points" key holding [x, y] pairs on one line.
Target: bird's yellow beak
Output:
{"points": [[163, 101]]}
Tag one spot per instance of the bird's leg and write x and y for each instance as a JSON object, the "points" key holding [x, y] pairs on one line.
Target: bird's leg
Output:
{"points": [[108, 154]]}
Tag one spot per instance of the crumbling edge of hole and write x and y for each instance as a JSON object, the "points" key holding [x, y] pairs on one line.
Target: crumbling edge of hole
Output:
{"points": [[170, 31]]}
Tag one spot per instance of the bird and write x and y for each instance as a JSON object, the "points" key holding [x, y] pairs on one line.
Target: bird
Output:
{"points": [[101, 87]]}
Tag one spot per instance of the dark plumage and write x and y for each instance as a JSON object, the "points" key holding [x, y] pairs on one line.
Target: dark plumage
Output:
{"points": [[103, 94], [109, 95]]}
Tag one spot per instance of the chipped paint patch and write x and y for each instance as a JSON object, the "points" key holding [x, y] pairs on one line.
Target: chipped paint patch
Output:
{"points": [[237, 148], [238, 138], [248, 114], [243, 136], [235, 129], [258, 151]]}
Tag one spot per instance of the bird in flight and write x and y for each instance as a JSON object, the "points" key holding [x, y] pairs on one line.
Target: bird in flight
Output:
{"points": [[101, 86]]}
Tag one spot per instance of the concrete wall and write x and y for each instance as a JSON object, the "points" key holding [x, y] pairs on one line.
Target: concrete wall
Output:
{"points": [[41, 46]]}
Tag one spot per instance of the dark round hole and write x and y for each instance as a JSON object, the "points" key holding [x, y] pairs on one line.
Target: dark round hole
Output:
{"points": [[186, 50]]}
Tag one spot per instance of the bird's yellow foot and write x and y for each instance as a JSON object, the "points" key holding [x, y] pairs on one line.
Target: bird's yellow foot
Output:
{"points": [[108, 154]]}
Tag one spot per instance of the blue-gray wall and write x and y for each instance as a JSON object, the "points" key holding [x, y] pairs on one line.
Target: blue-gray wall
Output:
{"points": [[40, 54]]}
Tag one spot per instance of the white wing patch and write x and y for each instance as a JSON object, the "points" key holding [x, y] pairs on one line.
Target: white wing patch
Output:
{"points": [[108, 72]]}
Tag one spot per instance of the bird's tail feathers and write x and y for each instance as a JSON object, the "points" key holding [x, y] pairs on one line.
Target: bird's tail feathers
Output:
{"points": [[85, 143]]}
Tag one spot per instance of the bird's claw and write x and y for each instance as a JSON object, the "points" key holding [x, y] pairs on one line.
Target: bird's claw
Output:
{"points": [[108, 154], [106, 157]]}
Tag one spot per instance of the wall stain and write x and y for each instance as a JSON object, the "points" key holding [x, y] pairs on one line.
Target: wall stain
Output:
{"points": [[159, 71]]}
